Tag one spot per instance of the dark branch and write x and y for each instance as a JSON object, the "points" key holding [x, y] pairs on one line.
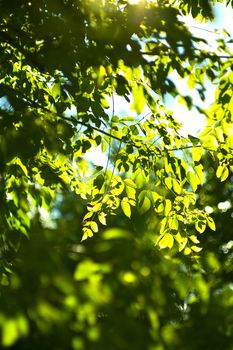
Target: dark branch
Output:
{"points": [[72, 120]]}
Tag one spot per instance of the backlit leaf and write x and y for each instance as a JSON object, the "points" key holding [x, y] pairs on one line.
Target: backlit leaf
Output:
{"points": [[102, 218], [144, 205], [210, 143], [200, 226], [126, 207], [197, 153], [166, 241], [93, 226], [219, 171], [224, 174], [211, 223], [193, 180]]}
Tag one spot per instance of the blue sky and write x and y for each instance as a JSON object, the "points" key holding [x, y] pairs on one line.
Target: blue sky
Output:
{"points": [[193, 121]]}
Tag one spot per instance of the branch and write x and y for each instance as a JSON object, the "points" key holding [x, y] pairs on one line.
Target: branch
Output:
{"points": [[182, 148], [168, 54], [203, 29], [72, 119], [34, 104]]}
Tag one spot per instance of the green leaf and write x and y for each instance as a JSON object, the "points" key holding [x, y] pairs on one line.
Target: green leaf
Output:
{"points": [[196, 249], [211, 223], [126, 207], [194, 239], [219, 134], [138, 99], [116, 233], [195, 140], [144, 205], [118, 188], [168, 182], [163, 224], [93, 226], [131, 192], [173, 223], [210, 142], [193, 180], [22, 166], [176, 186], [219, 171], [103, 145], [225, 174], [88, 215], [167, 207], [200, 226], [187, 251], [130, 183], [102, 218], [199, 170], [86, 233], [139, 178], [159, 208], [182, 241], [166, 241], [56, 90], [197, 153], [86, 269], [10, 332]]}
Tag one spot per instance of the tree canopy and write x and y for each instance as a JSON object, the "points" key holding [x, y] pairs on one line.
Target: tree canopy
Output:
{"points": [[114, 256]]}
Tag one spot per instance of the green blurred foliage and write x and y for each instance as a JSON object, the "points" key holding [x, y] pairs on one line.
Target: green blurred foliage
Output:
{"points": [[148, 278], [116, 290]]}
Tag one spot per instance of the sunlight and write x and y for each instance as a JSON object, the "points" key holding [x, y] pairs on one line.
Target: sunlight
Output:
{"points": [[135, 2]]}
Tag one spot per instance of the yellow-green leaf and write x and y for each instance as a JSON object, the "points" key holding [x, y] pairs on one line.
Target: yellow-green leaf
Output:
{"points": [[176, 186], [187, 251], [138, 98], [131, 192], [168, 182], [196, 249], [197, 153], [130, 183], [166, 241], [210, 142], [173, 223], [102, 218], [219, 134], [219, 171], [9, 332], [211, 223], [163, 225], [193, 180], [167, 207], [194, 239], [126, 207], [86, 233], [144, 205], [225, 174], [200, 173], [88, 215], [200, 226], [182, 243], [160, 208], [93, 226]]}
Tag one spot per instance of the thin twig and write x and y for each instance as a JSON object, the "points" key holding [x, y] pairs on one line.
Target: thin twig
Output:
{"points": [[203, 29], [109, 150], [182, 148], [207, 55], [72, 120]]}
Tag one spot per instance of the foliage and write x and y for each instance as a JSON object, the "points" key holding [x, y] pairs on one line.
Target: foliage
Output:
{"points": [[64, 67]]}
